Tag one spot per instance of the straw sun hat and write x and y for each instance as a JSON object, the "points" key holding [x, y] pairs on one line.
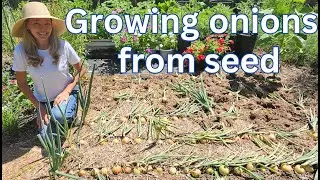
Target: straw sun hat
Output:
{"points": [[37, 10]]}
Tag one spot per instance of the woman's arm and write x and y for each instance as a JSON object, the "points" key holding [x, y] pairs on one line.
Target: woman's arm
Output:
{"points": [[76, 78], [21, 77], [63, 96]]}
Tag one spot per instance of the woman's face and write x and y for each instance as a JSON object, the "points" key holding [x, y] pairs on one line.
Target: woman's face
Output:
{"points": [[40, 28]]}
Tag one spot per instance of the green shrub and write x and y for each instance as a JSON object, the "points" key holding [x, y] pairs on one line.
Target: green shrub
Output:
{"points": [[14, 104], [310, 50], [10, 116]]}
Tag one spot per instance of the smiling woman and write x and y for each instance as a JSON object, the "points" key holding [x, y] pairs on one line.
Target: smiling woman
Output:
{"points": [[46, 58]]}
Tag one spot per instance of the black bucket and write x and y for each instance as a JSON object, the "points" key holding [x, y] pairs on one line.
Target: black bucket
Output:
{"points": [[244, 44], [183, 44]]}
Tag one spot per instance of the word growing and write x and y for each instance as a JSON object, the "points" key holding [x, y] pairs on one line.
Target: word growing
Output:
{"points": [[113, 23], [230, 63]]}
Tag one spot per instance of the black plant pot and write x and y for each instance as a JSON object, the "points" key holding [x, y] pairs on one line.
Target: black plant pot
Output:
{"points": [[244, 44], [229, 3], [311, 2], [183, 44]]}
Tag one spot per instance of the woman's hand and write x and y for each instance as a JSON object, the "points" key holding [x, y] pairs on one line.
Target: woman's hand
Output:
{"points": [[43, 114], [61, 97]]}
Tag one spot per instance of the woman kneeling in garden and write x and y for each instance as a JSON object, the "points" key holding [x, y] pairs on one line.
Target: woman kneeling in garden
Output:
{"points": [[45, 57]]}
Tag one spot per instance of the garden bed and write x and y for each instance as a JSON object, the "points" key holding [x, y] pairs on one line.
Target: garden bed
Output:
{"points": [[278, 107], [174, 120]]}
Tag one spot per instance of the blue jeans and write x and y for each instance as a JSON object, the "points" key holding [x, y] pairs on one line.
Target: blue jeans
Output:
{"points": [[69, 109]]}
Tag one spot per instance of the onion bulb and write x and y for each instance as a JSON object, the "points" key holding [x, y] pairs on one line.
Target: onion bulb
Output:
{"points": [[125, 140], [250, 167], [138, 140], [286, 168], [149, 168], [164, 99], [143, 170], [314, 135], [274, 169], [299, 170], [135, 121], [143, 120], [246, 136], [123, 119], [237, 139], [172, 170], [238, 171], [116, 141], [196, 173], [82, 173], [71, 172], [203, 141], [108, 99], [170, 141], [95, 172], [223, 170], [210, 170], [308, 168], [262, 169], [136, 171], [272, 137], [127, 170], [102, 142], [159, 170], [104, 171], [186, 170], [175, 118], [116, 170]]}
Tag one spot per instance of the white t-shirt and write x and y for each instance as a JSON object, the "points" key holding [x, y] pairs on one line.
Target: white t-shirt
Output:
{"points": [[54, 77]]}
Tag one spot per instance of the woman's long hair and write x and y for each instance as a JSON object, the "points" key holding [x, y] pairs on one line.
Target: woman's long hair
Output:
{"points": [[30, 47]]}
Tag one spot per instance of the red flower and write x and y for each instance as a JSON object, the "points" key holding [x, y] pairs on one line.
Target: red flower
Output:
{"points": [[231, 41], [185, 62], [220, 49], [13, 81], [201, 57], [221, 41], [188, 50], [208, 38]]}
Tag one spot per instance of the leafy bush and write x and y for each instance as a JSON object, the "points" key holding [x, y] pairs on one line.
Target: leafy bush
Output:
{"points": [[310, 50], [281, 7], [168, 42], [14, 103], [205, 15]]}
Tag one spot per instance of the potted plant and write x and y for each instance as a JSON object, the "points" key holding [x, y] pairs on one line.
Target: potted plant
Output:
{"points": [[213, 44], [244, 42], [124, 39], [168, 45], [148, 42]]}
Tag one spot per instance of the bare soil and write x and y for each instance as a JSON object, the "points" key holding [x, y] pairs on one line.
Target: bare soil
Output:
{"points": [[262, 103]]}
